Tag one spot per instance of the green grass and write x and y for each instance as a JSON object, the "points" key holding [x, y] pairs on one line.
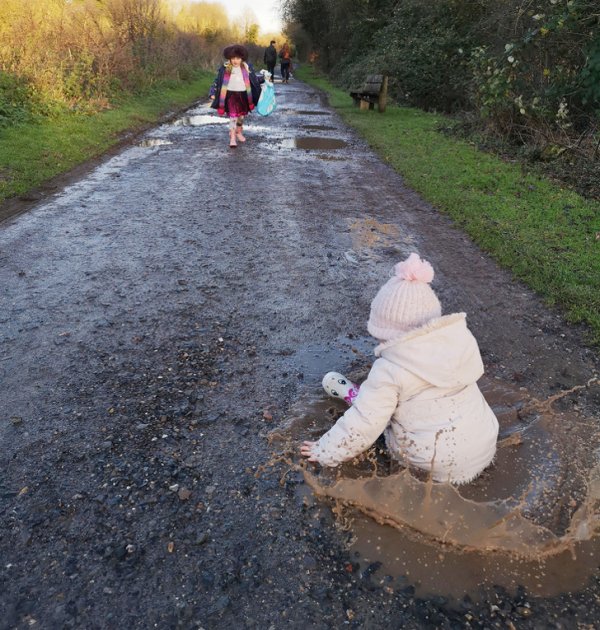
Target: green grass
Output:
{"points": [[32, 153], [547, 235]]}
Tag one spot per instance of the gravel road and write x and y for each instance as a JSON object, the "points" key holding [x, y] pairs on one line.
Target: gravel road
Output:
{"points": [[160, 317]]}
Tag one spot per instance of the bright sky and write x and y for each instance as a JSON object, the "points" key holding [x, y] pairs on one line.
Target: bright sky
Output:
{"points": [[266, 11]]}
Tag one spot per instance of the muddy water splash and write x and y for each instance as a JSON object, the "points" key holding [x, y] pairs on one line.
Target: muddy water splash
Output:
{"points": [[530, 519]]}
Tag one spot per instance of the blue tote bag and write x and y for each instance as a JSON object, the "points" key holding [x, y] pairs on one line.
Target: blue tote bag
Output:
{"points": [[266, 103]]}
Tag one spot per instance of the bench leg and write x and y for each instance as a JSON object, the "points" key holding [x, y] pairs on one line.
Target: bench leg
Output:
{"points": [[382, 101], [364, 105]]}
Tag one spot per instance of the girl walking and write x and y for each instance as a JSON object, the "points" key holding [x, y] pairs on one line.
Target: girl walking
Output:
{"points": [[421, 391], [235, 91]]}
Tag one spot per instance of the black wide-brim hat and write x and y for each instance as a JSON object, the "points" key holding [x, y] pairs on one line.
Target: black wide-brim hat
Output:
{"points": [[236, 50]]}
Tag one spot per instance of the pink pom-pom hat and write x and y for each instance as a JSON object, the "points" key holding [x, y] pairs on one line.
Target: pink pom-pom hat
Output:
{"points": [[414, 269], [405, 301]]}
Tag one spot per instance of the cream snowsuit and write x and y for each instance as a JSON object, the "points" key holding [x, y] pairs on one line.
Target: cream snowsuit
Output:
{"points": [[425, 381]]}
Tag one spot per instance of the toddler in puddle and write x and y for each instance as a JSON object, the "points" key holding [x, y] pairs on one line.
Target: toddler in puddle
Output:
{"points": [[422, 390]]}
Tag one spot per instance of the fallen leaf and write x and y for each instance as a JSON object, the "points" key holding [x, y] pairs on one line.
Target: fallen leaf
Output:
{"points": [[171, 547]]}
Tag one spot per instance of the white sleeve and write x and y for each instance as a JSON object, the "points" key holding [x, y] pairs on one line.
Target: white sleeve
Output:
{"points": [[364, 422]]}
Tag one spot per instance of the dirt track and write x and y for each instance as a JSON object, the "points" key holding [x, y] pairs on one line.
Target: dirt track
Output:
{"points": [[159, 317]]}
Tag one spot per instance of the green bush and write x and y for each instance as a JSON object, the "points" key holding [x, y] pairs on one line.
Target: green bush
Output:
{"points": [[19, 102], [530, 71]]}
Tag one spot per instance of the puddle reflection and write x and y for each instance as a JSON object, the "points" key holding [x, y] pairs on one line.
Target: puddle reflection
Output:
{"points": [[303, 112], [199, 120], [320, 144], [154, 142]]}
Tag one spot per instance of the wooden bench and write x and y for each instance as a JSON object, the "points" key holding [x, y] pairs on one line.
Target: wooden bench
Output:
{"points": [[373, 91]]}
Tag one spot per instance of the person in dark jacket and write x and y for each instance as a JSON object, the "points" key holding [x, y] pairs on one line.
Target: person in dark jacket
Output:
{"points": [[285, 56], [271, 58], [235, 90]]}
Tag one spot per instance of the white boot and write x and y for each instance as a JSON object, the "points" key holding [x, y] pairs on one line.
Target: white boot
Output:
{"points": [[338, 386]]}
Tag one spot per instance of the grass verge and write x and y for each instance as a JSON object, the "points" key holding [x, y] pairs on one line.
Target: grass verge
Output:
{"points": [[547, 235], [32, 153]]}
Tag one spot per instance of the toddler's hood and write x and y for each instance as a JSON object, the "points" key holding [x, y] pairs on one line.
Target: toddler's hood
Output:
{"points": [[442, 352]]}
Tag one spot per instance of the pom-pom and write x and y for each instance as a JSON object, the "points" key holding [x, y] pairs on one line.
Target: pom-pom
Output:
{"points": [[413, 269], [221, 111]]}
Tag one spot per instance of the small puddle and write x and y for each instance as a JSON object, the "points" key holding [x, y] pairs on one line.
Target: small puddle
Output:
{"points": [[199, 120], [350, 351], [301, 112], [331, 158], [529, 520], [154, 142], [318, 128], [320, 144]]}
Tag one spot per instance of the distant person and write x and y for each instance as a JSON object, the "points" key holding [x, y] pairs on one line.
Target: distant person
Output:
{"points": [[421, 392], [271, 58], [235, 90], [285, 56]]}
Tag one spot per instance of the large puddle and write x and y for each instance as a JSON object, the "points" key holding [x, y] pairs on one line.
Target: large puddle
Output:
{"points": [[529, 520]]}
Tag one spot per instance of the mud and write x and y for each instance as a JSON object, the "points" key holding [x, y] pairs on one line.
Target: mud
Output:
{"points": [[530, 519], [166, 312]]}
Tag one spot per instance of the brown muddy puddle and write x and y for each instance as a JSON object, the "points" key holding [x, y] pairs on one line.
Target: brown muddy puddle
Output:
{"points": [[372, 239], [529, 520], [310, 143]]}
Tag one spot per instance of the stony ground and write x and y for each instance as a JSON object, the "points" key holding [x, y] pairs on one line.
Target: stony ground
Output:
{"points": [[159, 318]]}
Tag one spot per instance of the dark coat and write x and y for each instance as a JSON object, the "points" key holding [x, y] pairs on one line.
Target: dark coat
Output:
{"points": [[255, 81], [270, 55]]}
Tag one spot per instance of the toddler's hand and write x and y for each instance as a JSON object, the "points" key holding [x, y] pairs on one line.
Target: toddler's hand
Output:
{"points": [[306, 451], [212, 97]]}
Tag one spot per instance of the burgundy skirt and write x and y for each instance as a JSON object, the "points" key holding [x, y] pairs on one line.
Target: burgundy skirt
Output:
{"points": [[236, 104]]}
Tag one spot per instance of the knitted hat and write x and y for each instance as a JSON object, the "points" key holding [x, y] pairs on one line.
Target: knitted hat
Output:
{"points": [[405, 301], [236, 50]]}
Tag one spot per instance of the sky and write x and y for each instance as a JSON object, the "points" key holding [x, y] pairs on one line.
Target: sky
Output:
{"points": [[266, 11]]}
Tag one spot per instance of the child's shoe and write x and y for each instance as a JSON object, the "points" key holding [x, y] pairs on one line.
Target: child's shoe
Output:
{"points": [[239, 134], [338, 386], [232, 141]]}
